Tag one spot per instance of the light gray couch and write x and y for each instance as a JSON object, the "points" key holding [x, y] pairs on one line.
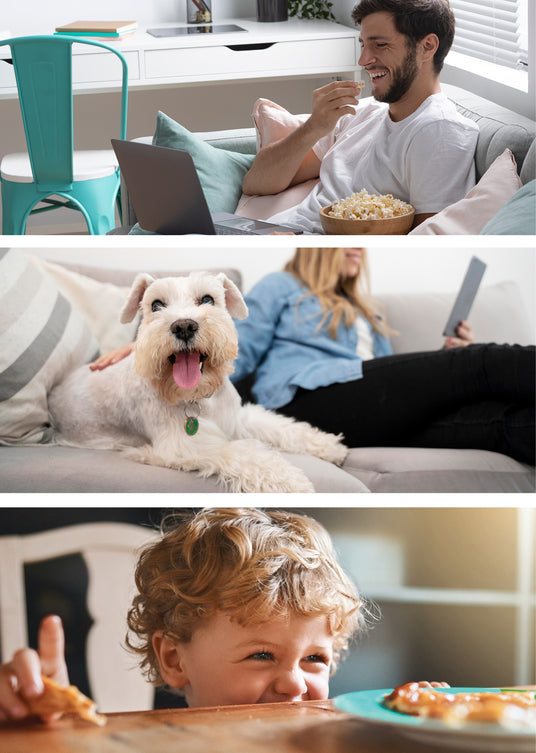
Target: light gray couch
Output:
{"points": [[499, 128], [497, 315]]}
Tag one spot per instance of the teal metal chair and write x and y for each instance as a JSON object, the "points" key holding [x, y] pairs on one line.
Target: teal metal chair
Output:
{"points": [[52, 174]]}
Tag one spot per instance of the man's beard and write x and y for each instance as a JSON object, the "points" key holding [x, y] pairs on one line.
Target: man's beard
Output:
{"points": [[403, 77]]}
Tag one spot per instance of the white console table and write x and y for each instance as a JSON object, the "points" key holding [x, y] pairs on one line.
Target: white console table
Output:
{"points": [[293, 48]]}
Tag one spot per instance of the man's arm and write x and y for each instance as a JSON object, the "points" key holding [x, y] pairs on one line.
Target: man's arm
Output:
{"points": [[291, 160]]}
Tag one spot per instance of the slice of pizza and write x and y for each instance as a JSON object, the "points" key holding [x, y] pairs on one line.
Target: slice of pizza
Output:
{"points": [[64, 699], [508, 708]]}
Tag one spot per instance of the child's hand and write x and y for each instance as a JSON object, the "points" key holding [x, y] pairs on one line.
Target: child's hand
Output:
{"points": [[21, 677], [113, 356]]}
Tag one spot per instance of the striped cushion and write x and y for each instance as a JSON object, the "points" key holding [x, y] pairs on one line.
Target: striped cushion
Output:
{"points": [[42, 338]]}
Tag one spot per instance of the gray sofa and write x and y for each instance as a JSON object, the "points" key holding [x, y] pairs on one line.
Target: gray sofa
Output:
{"points": [[499, 128], [497, 315]]}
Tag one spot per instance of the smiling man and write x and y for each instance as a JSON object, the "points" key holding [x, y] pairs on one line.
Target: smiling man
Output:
{"points": [[409, 141]]}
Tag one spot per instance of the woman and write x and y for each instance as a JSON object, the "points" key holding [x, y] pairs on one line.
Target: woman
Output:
{"points": [[315, 347], [318, 348]]}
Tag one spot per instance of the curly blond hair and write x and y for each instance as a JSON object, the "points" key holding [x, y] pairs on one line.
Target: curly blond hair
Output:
{"points": [[251, 564]]}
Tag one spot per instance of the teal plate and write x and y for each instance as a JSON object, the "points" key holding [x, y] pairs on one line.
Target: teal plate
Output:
{"points": [[367, 705]]}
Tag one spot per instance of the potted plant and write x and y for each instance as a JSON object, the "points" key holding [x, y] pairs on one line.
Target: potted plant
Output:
{"points": [[311, 9]]}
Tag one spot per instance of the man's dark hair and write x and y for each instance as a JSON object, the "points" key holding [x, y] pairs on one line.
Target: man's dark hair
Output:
{"points": [[415, 19]]}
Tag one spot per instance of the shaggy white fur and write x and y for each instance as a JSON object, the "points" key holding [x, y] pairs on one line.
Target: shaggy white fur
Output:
{"points": [[180, 367]]}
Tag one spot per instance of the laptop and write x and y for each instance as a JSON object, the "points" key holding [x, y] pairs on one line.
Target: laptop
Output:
{"points": [[167, 196], [466, 296]]}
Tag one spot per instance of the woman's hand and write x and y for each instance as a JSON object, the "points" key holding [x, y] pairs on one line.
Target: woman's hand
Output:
{"points": [[464, 337], [21, 677], [113, 356]]}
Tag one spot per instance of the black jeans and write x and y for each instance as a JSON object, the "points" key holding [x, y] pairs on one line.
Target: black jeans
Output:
{"points": [[479, 396]]}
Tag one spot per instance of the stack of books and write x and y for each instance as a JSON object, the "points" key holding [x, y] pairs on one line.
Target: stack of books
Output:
{"points": [[105, 29]]}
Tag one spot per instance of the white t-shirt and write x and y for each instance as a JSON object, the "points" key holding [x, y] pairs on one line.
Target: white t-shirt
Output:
{"points": [[427, 160], [365, 343]]}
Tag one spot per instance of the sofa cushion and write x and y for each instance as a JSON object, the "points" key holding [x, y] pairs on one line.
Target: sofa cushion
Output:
{"points": [[419, 318], [415, 469], [42, 336], [470, 215], [57, 469], [220, 171], [517, 216]]}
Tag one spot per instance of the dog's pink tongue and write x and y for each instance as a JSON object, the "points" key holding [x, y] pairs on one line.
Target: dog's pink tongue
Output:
{"points": [[187, 370]]}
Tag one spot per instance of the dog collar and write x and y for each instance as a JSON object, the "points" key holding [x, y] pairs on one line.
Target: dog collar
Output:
{"points": [[191, 412]]}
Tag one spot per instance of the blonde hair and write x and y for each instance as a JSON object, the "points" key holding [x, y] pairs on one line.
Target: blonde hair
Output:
{"points": [[251, 564], [341, 297]]}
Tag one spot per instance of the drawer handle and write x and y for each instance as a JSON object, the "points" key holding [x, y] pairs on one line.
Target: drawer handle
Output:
{"points": [[259, 46]]}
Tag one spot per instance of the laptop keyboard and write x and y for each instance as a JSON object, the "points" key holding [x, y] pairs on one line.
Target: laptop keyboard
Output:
{"points": [[227, 230]]}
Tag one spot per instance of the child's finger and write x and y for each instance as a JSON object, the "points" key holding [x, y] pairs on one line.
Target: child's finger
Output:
{"points": [[51, 649]]}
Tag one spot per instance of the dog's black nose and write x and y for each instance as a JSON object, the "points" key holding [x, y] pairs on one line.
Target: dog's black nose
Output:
{"points": [[184, 329]]}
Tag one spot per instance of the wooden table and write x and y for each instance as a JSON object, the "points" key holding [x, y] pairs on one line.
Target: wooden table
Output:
{"points": [[306, 727]]}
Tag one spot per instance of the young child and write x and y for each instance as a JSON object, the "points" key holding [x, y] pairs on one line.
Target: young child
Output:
{"points": [[234, 606]]}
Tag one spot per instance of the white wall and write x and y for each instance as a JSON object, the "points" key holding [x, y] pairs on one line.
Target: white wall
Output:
{"points": [[393, 268], [44, 17]]}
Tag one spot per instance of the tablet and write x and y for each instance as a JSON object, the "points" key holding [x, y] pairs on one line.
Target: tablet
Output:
{"points": [[466, 296]]}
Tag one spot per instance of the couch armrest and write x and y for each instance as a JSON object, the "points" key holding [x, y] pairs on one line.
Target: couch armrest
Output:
{"points": [[499, 128]]}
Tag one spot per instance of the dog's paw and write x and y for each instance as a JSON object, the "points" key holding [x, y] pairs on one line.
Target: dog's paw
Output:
{"points": [[334, 450], [322, 445]]}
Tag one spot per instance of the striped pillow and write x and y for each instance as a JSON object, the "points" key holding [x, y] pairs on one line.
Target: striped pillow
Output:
{"points": [[42, 338]]}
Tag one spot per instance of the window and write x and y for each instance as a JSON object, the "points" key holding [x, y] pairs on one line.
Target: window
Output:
{"points": [[492, 30]]}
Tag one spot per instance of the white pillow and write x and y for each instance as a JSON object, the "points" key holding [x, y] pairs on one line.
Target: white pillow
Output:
{"points": [[42, 338], [100, 303]]}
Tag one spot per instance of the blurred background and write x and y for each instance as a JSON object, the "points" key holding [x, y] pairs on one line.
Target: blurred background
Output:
{"points": [[453, 590], [418, 268]]}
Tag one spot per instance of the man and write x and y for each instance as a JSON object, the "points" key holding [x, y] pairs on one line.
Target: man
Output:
{"points": [[409, 141]]}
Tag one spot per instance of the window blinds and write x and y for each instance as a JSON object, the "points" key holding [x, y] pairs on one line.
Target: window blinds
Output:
{"points": [[488, 30]]}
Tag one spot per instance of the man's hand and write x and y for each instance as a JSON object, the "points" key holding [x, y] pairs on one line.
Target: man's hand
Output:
{"points": [[330, 103], [21, 677], [291, 160], [464, 337]]}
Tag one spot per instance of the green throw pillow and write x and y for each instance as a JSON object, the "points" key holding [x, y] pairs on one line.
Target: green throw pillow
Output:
{"points": [[517, 216], [220, 171]]}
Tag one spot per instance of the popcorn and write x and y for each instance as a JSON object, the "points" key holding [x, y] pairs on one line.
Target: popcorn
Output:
{"points": [[365, 206]]}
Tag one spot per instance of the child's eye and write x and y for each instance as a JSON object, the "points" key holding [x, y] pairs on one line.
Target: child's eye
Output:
{"points": [[317, 659], [262, 656]]}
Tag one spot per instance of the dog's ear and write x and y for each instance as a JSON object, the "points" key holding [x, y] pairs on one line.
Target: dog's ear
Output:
{"points": [[139, 286], [236, 305]]}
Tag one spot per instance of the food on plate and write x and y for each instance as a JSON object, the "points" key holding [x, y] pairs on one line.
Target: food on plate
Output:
{"points": [[64, 699], [363, 205], [510, 708]]}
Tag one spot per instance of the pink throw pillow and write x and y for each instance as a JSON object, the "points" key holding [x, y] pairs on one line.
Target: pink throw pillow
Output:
{"points": [[469, 215], [273, 122]]}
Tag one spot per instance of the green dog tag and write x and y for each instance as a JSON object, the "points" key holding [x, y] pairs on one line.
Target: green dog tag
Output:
{"points": [[191, 425]]}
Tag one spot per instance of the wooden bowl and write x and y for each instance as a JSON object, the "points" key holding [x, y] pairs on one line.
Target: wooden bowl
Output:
{"points": [[389, 226]]}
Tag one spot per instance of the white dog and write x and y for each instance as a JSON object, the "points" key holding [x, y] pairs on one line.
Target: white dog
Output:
{"points": [[171, 403]]}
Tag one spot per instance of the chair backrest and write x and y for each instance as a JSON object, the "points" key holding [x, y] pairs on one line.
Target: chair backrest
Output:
{"points": [[110, 552], [43, 72]]}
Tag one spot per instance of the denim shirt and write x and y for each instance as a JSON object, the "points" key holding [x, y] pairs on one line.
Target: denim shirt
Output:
{"points": [[282, 344]]}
